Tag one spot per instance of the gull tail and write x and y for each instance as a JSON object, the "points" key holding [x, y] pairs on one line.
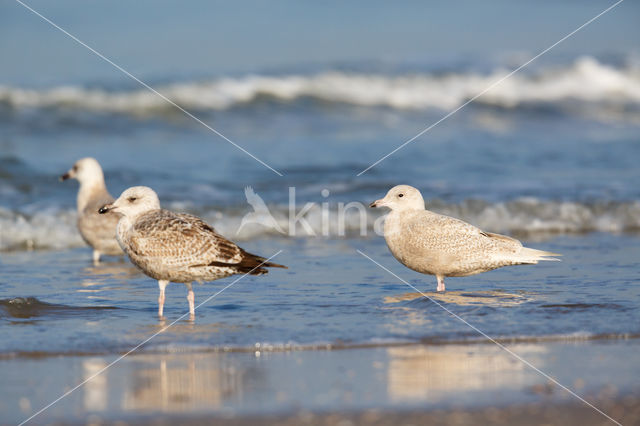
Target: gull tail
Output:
{"points": [[255, 265], [274, 265], [529, 255]]}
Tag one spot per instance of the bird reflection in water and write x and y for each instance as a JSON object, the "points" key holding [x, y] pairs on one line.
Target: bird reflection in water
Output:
{"points": [[444, 372], [183, 383], [101, 277]]}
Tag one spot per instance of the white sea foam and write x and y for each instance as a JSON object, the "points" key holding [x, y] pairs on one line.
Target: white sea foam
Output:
{"points": [[56, 228], [584, 81], [50, 228]]}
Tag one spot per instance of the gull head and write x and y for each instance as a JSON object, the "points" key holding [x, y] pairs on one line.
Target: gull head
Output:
{"points": [[85, 170], [401, 197], [133, 202]]}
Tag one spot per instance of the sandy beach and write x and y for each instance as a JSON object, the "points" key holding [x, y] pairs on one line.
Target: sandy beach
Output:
{"points": [[443, 384]]}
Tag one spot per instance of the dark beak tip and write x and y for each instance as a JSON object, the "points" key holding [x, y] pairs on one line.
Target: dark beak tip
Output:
{"points": [[373, 205], [64, 177]]}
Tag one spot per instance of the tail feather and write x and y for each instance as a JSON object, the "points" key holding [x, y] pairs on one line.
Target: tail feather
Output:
{"points": [[529, 255], [260, 270], [255, 265], [249, 264], [275, 265]]}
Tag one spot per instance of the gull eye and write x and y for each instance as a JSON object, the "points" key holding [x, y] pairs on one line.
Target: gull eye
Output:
{"points": [[75, 168], [400, 195], [131, 199]]}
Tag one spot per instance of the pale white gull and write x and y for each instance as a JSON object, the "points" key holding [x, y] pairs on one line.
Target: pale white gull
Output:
{"points": [[99, 231], [176, 247], [443, 246]]}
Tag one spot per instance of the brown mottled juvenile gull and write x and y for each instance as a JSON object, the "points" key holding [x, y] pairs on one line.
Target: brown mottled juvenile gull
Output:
{"points": [[443, 246], [176, 247], [96, 230]]}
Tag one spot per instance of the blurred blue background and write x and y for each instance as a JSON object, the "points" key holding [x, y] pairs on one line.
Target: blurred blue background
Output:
{"points": [[171, 39], [319, 92]]}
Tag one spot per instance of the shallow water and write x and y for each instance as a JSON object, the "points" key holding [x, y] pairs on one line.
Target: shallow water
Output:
{"points": [[57, 302]]}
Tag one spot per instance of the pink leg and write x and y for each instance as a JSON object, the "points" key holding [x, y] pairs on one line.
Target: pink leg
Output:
{"points": [[192, 301], [440, 283], [162, 284]]}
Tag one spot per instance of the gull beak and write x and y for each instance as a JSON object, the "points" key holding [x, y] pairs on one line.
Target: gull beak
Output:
{"points": [[377, 203], [106, 208], [64, 177]]}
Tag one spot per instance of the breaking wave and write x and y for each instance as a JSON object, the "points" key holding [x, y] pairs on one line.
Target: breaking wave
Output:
{"points": [[56, 228], [586, 81]]}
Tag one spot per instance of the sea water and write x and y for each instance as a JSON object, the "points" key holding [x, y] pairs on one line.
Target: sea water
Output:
{"points": [[558, 169], [550, 156]]}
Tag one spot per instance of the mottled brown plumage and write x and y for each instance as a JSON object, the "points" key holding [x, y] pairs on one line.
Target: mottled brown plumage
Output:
{"points": [[177, 247], [183, 248]]}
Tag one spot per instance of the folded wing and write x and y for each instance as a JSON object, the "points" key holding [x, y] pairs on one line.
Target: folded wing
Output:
{"points": [[186, 241]]}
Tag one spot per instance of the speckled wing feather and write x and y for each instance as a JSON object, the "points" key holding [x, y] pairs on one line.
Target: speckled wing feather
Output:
{"points": [[182, 247], [429, 230], [180, 239], [454, 247]]}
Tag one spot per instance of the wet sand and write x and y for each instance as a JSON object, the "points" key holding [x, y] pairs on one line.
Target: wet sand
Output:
{"points": [[626, 411], [398, 384]]}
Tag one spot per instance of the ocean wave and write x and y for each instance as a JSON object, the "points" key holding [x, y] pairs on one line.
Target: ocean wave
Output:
{"points": [[525, 216], [55, 228], [585, 81], [181, 348], [269, 347]]}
